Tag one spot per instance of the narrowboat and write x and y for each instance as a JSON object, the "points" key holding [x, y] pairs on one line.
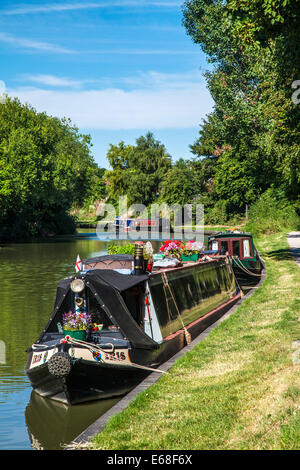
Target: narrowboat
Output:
{"points": [[139, 320], [246, 261], [159, 225]]}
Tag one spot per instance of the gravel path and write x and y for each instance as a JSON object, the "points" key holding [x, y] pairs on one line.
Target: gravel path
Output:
{"points": [[294, 242]]}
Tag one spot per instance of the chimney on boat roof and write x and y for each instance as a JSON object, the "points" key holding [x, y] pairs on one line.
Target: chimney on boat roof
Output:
{"points": [[139, 266]]}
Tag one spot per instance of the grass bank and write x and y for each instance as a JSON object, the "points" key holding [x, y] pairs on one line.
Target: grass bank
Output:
{"points": [[239, 388]]}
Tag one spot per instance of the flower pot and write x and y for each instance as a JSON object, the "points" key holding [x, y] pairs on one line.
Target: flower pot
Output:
{"points": [[76, 334], [193, 257]]}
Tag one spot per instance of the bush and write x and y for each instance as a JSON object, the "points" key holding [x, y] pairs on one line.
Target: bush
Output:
{"points": [[272, 213], [217, 214], [114, 248]]}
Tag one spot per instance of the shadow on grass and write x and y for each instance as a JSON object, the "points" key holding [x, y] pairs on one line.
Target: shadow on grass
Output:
{"points": [[280, 255]]}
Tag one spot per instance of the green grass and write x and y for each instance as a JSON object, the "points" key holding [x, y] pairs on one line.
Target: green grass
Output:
{"points": [[239, 388]]}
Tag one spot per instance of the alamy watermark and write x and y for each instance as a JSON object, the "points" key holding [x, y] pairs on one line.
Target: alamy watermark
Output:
{"points": [[296, 353], [2, 91], [296, 94], [139, 222], [2, 352]]}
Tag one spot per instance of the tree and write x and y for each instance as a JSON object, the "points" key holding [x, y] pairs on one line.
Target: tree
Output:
{"points": [[252, 135], [45, 166], [137, 171], [181, 184]]}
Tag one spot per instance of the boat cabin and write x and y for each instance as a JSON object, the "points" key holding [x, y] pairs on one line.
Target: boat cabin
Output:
{"points": [[234, 243]]}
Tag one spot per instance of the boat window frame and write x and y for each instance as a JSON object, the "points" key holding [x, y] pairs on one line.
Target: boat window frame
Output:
{"points": [[230, 246], [250, 248], [213, 242], [240, 239]]}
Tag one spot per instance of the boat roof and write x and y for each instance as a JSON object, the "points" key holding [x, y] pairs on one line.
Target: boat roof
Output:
{"points": [[230, 234], [106, 286], [119, 282]]}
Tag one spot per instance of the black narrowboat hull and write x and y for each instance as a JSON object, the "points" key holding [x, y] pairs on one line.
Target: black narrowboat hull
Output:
{"points": [[249, 274], [88, 380]]}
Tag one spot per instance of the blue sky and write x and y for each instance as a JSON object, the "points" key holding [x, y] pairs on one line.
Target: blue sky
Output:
{"points": [[117, 68]]}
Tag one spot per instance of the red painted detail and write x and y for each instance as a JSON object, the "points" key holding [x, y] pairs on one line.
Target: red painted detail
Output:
{"points": [[173, 335]]}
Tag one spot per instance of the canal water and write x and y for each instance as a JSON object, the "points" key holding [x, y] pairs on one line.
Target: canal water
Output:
{"points": [[28, 278]]}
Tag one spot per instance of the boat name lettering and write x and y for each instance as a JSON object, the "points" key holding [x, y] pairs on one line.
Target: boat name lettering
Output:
{"points": [[115, 356], [36, 358]]}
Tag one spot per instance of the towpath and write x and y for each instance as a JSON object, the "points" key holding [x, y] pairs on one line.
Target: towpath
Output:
{"points": [[294, 242]]}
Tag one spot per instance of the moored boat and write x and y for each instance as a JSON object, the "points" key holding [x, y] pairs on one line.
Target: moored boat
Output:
{"points": [[246, 261], [139, 320]]}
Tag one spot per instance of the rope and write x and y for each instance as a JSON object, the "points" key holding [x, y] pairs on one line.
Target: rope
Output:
{"points": [[245, 269], [92, 348], [87, 345], [166, 296], [229, 262], [37, 346], [167, 285]]}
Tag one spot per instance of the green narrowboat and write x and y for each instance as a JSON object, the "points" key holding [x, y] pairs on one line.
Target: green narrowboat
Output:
{"points": [[246, 261]]}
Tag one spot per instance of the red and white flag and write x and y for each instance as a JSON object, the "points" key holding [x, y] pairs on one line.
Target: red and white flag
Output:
{"points": [[78, 265]]}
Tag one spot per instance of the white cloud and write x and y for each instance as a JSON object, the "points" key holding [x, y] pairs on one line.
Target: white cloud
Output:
{"points": [[51, 80], [159, 80], [171, 101], [143, 80], [29, 44], [23, 10], [47, 47], [30, 9]]}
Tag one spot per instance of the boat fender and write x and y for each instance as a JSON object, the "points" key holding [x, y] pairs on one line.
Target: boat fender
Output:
{"points": [[59, 364]]}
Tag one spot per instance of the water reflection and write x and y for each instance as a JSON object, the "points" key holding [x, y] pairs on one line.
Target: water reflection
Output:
{"points": [[51, 424]]}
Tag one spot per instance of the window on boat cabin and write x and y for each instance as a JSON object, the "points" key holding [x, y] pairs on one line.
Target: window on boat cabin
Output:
{"points": [[215, 245], [246, 248], [224, 246], [236, 247]]}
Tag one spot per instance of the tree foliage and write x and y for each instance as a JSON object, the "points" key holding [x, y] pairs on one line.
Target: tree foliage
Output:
{"points": [[137, 170], [45, 167], [181, 183], [252, 135]]}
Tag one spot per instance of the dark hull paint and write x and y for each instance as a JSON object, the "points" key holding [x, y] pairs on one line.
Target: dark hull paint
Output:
{"points": [[87, 381], [248, 275], [92, 380]]}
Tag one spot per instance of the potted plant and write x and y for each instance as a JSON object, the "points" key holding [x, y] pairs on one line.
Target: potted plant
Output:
{"points": [[76, 323], [191, 251], [172, 249]]}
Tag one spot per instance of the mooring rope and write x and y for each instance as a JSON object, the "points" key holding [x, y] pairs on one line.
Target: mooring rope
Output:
{"points": [[245, 269], [37, 346], [167, 285], [92, 348]]}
